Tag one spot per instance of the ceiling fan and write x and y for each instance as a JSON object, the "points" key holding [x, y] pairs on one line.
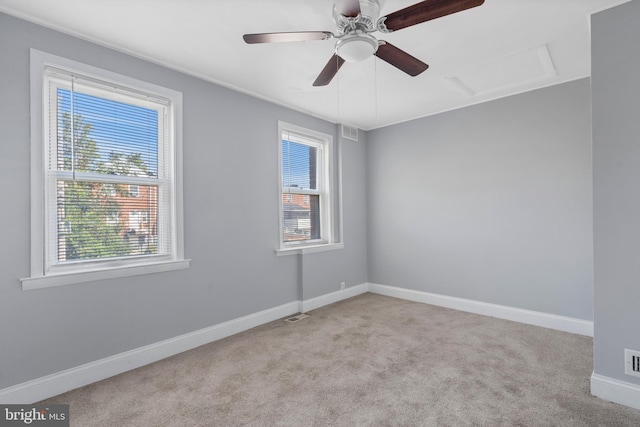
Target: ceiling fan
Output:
{"points": [[356, 20]]}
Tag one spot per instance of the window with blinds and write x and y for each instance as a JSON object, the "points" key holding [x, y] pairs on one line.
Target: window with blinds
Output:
{"points": [[108, 180], [305, 187], [106, 174]]}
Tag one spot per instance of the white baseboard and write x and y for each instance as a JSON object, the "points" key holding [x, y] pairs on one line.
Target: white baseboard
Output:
{"points": [[616, 391], [352, 291], [54, 384], [545, 320], [61, 382]]}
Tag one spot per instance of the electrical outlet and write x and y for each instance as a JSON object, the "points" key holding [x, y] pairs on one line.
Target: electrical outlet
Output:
{"points": [[342, 285], [632, 362]]}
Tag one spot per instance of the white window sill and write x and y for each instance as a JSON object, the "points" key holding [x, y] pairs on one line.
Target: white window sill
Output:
{"points": [[303, 250], [62, 279]]}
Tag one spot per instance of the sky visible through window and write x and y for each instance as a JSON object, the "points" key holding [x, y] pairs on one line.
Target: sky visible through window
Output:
{"points": [[295, 165], [116, 127]]}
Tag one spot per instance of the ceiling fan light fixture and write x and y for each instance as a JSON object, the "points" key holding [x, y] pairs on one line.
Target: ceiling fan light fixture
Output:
{"points": [[357, 47]]}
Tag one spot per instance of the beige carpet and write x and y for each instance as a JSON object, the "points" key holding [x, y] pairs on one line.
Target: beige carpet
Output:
{"points": [[367, 361]]}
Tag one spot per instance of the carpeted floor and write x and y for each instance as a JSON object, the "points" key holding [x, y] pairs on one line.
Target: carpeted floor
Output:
{"points": [[367, 361]]}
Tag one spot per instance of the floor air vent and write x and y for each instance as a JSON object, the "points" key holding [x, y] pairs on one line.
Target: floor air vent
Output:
{"points": [[296, 318], [632, 362]]}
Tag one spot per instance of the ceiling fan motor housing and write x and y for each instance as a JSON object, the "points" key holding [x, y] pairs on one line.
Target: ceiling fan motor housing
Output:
{"points": [[365, 22]]}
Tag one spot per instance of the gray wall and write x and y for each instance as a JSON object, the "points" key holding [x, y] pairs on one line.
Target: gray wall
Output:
{"points": [[231, 223], [616, 158], [318, 272], [491, 203]]}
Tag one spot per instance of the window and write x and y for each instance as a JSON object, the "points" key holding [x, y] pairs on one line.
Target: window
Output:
{"points": [[134, 190], [105, 148], [306, 196]]}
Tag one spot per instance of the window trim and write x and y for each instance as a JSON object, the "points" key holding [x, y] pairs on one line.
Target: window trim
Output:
{"points": [[331, 212], [39, 278]]}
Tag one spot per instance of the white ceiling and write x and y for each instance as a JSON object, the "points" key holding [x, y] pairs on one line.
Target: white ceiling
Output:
{"points": [[500, 48]]}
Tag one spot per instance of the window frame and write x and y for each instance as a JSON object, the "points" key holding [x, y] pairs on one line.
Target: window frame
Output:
{"points": [[328, 185], [40, 275]]}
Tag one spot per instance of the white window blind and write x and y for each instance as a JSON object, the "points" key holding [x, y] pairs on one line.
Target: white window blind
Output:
{"points": [[107, 157], [106, 174], [305, 188]]}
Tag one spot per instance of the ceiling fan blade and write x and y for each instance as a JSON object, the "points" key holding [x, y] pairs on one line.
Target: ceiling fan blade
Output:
{"points": [[425, 11], [350, 8], [301, 36], [329, 71], [400, 59]]}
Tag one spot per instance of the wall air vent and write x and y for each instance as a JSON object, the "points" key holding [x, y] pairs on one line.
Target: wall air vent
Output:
{"points": [[632, 362], [349, 132]]}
